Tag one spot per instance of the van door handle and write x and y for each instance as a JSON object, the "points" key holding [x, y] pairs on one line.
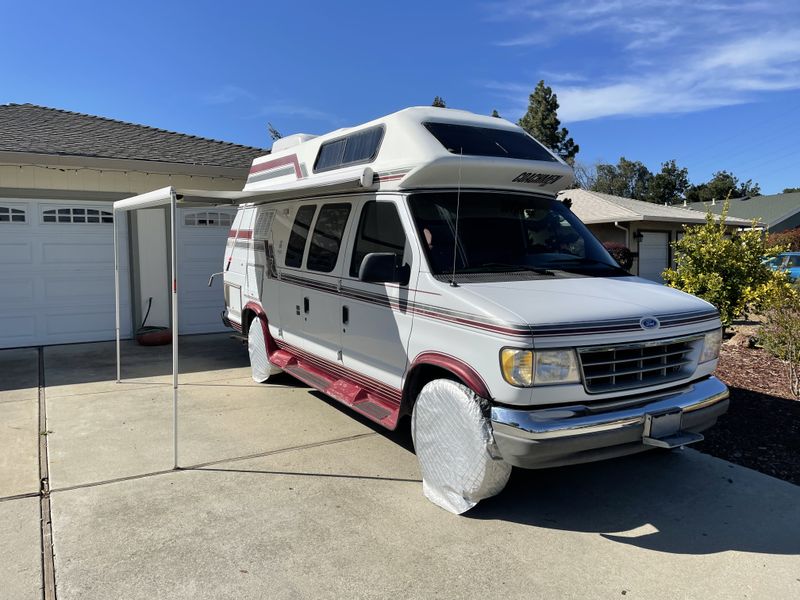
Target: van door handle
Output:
{"points": [[305, 305], [345, 315]]}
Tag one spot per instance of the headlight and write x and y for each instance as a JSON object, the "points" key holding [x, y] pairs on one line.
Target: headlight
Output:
{"points": [[556, 366], [547, 367], [711, 344], [517, 366]]}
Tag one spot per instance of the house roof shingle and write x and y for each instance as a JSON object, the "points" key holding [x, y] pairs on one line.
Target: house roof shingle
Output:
{"points": [[771, 210], [42, 130], [595, 207]]}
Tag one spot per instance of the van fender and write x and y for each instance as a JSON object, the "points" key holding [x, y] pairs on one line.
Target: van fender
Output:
{"points": [[261, 315], [449, 363]]}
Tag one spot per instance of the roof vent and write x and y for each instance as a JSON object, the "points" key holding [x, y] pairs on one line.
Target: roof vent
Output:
{"points": [[289, 141]]}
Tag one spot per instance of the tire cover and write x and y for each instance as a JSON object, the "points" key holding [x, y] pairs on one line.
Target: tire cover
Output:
{"points": [[260, 366], [454, 444]]}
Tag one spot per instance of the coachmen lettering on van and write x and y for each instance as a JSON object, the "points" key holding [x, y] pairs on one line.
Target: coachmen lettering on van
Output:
{"points": [[420, 265]]}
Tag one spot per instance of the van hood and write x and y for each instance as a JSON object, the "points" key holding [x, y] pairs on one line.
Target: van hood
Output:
{"points": [[583, 300]]}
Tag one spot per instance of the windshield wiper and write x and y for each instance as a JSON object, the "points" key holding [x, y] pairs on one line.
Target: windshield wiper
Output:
{"points": [[512, 267]]}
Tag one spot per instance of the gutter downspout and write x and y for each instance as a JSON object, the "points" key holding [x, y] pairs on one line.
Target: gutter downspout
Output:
{"points": [[627, 233]]}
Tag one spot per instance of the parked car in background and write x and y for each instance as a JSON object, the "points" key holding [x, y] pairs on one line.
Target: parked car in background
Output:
{"points": [[787, 261]]}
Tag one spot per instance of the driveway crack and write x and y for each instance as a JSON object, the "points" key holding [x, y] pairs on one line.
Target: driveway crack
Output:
{"points": [[48, 564]]}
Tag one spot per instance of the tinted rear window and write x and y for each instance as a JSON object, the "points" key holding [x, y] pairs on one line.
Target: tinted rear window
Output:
{"points": [[299, 235], [486, 141], [360, 147], [327, 237]]}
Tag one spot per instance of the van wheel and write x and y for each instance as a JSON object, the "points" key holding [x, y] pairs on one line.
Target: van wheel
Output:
{"points": [[260, 367], [455, 447]]}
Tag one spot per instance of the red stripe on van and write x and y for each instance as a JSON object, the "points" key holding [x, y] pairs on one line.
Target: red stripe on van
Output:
{"points": [[278, 162], [241, 234]]}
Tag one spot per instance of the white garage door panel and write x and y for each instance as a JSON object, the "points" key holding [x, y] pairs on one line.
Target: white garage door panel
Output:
{"points": [[205, 250], [78, 254], [81, 287], [88, 323], [653, 254], [201, 253], [58, 279], [16, 290], [15, 253], [17, 330]]}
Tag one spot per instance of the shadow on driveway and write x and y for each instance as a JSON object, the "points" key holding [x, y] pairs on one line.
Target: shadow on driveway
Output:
{"points": [[683, 502]]}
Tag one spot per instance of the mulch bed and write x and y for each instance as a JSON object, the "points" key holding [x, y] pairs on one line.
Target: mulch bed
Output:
{"points": [[762, 428]]}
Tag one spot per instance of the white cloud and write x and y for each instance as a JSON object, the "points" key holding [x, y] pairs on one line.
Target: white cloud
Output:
{"points": [[668, 56], [290, 109], [228, 94]]}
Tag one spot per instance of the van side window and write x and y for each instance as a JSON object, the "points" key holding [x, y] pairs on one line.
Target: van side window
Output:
{"points": [[327, 237], [379, 230], [297, 239]]}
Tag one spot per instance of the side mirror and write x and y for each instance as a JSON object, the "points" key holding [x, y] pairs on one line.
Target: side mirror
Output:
{"points": [[383, 267]]}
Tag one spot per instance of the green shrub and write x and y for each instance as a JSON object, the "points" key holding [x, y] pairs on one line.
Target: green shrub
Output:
{"points": [[726, 269], [780, 336]]}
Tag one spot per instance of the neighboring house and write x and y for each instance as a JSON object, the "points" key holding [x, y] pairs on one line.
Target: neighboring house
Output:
{"points": [[646, 228], [777, 212], [59, 173]]}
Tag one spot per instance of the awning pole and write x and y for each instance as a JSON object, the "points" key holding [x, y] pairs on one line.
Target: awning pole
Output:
{"points": [[116, 292], [174, 238]]}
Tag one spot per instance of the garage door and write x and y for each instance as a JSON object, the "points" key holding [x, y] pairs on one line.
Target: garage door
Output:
{"points": [[201, 246], [653, 254], [57, 273]]}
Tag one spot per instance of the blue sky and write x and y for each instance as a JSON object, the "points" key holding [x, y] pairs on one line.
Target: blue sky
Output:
{"points": [[715, 85]]}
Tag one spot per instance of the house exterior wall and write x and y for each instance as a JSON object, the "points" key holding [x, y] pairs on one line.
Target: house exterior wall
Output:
{"points": [[607, 232], [90, 179], [77, 179]]}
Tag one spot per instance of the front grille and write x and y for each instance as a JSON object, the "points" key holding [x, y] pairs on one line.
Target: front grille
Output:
{"points": [[628, 366]]}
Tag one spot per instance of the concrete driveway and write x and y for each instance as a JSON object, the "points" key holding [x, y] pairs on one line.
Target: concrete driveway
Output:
{"points": [[285, 495]]}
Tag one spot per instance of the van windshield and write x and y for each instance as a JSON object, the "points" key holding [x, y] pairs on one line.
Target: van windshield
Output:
{"points": [[506, 233]]}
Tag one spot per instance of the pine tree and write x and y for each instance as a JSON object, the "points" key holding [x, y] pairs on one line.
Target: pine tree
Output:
{"points": [[495, 113], [541, 121], [438, 102]]}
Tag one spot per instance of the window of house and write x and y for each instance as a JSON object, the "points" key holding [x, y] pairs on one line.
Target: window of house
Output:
{"points": [[9, 214], [359, 147], [76, 215], [327, 237], [379, 230], [208, 219], [299, 235]]}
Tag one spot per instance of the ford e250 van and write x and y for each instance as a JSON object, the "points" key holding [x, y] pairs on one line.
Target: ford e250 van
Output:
{"points": [[429, 246]]}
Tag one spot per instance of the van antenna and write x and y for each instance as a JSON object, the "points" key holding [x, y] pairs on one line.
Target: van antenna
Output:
{"points": [[458, 209]]}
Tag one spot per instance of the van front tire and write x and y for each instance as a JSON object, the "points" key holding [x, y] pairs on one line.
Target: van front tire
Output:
{"points": [[455, 447], [260, 367]]}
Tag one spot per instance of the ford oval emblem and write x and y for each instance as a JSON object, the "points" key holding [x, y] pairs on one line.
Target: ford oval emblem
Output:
{"points": [[649, 323]]}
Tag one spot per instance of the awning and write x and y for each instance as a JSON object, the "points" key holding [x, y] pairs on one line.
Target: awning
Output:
{"points": [[354, 180]]}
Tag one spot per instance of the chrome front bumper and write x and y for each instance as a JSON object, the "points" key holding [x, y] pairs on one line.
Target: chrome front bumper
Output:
{"points": [[567, 435]]}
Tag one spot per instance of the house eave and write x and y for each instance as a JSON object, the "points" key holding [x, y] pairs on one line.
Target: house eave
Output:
{"points": [[8, 158]]}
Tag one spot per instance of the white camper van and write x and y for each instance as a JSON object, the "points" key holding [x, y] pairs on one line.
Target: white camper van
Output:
{"points": [[426, 250]]}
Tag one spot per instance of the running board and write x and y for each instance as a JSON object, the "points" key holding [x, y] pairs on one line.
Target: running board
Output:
{"points": [[676, 440], [343, 390]]}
